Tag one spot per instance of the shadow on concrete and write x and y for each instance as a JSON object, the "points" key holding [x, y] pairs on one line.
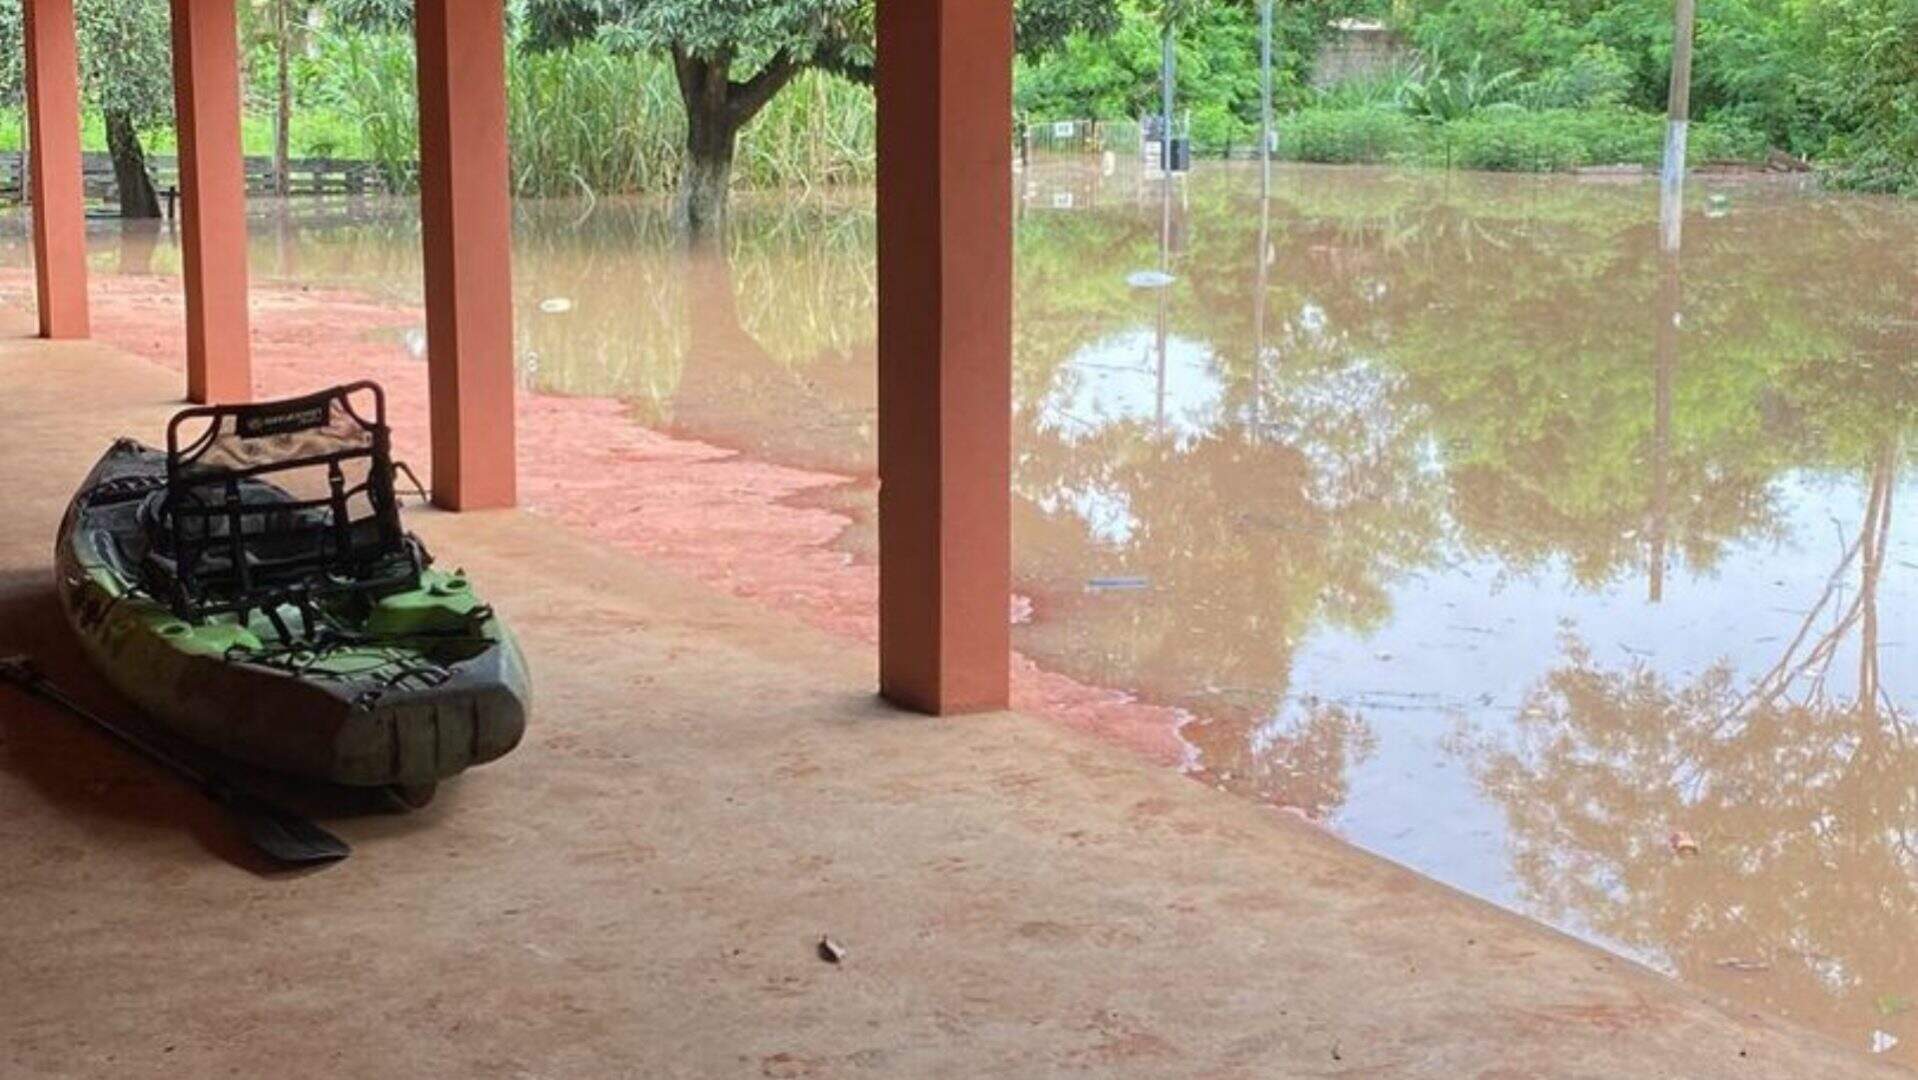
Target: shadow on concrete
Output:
{"points": [[858, 708], [95, 778]]}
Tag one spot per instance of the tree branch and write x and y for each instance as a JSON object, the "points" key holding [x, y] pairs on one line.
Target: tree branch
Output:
{"points": [[840, 58], [744, 100]]}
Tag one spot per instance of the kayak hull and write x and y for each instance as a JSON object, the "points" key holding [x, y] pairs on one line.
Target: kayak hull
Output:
{"points": [[364, 716]]}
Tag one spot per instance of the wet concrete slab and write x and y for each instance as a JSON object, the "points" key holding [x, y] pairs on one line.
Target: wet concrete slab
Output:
{"points": [[708, 788]]}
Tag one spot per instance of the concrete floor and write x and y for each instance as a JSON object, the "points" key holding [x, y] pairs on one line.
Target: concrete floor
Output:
{"points": [[708, 787]]}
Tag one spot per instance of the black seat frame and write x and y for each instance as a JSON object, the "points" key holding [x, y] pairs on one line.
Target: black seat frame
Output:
{"points": [[236, 570]]}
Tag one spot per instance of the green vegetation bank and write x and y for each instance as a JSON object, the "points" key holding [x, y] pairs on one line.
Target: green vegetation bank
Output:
{"points": [[693, 97], [1524, 84]]}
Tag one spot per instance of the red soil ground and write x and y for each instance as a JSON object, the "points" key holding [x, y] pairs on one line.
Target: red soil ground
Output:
{"points": [[708, 512]]}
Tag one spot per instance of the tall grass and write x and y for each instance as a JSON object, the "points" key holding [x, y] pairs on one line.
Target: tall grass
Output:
{"points": [[819, 131], [372, 82], [591, 120]]}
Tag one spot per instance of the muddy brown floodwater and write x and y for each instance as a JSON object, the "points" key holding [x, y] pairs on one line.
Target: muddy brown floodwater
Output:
{"points": [[1436, 508]]}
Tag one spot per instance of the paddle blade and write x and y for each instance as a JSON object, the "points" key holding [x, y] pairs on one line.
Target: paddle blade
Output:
{"points": [[283, 836]]}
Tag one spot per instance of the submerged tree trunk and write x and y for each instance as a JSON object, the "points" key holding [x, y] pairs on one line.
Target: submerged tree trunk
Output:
{"points": [[716, 109], [137, 198], [137, 243], [706, 173]]}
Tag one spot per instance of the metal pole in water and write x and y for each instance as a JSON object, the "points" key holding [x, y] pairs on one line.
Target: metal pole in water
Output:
{"points": [[1265, 101], [1168, 74], [1258, 307], [1165, 272], [1671, 186], [1665, 357], [1671, 217]]}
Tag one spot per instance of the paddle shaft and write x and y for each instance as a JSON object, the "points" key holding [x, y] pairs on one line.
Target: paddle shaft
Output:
{"points": [[281, 834], [20, 671]]}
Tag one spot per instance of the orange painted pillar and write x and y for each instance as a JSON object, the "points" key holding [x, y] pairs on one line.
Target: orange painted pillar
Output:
{"points": [[59, 200], [466, 221], [206, 95], [945, 352]]}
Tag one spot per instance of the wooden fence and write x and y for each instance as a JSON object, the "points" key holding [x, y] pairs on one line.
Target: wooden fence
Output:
{"points": [[305, 176]]}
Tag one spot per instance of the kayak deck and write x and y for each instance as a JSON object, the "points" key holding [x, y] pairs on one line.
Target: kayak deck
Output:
{"points": [[273, 631]]}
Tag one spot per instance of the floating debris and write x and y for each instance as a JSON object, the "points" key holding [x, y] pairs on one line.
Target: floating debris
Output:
{"points": [[1021, 610], [829, 950], [1739, 963], [1682, 843]]}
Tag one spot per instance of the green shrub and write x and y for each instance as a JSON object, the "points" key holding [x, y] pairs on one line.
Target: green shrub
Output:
{"points": [[1504, 138], [1437, 94], [1872, 113], [1216, 131], [1513, 140], [1553, 139], [1385, 90], [1727, 140], [1344, 136], [1595, 76]]}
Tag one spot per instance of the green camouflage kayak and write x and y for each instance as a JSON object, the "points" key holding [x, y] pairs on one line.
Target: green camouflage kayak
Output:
{"points": [[251, 588]]}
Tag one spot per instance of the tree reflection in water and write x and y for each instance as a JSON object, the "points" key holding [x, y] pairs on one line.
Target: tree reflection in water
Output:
{"points": [[1447, 403], [1800, 787]]}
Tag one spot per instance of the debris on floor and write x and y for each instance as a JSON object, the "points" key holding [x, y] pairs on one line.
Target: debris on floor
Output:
{"points": [[829, 950]]}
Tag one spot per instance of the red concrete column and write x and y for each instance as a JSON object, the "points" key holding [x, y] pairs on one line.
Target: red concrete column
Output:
{"points": [[206, 95], [945, 352], [466, 225], [59, 200]]}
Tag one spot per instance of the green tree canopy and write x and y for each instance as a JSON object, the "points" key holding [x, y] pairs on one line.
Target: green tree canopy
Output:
{"points": [[733, 56], [126, 72], [126, 57]]}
